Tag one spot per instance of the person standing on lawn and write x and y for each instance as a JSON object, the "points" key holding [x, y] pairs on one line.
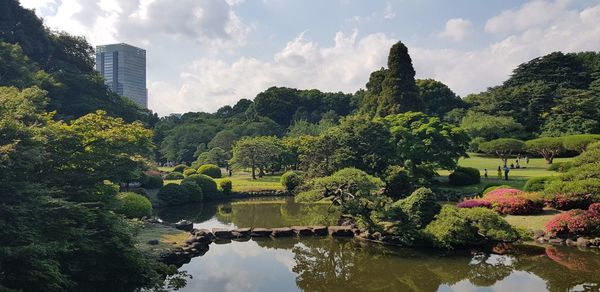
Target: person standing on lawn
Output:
{"points": [[499, 172]]}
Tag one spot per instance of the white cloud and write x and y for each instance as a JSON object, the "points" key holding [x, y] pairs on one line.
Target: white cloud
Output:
{"points": [[389, 13], [536, 13], [457, 29]]}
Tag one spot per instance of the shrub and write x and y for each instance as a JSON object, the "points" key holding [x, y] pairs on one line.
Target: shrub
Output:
{"points": [[474, 203], [565, 202], [133, 205], [290, 180], [210, 170], [537, 184], [489, 224], [193, 191], [189, 171], [516, 205], [449, 229], [206, 183], [502, 192], [173, 194], [226, 186], [574, 223], [152, 182], [490, 188], [174, 175], [420, 207], [398, 183], [560, 166], [355, 180], [463, 176], [180, 168]]}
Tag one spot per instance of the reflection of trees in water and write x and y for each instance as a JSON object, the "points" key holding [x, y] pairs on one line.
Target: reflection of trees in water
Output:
{"points": [[277, 215], [198, 212], [335, 264], [564, 268]]}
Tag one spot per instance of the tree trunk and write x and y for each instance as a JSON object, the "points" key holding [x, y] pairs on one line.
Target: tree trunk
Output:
{"points": [[253, 172]]}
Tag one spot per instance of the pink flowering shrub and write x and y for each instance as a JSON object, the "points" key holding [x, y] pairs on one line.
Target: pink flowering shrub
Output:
{"points": [[508, 201], [576, 222]]}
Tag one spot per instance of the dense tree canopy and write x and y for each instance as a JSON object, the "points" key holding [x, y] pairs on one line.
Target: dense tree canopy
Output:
{"points": [[438, 98]]}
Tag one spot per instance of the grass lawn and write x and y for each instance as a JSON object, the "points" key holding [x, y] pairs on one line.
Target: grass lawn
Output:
{"points": [[531, 222], [536, 166], [243, 182]]}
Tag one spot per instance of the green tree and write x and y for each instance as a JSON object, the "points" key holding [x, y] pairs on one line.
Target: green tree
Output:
{"points": [[424, 144], [577, 112], [579, 143], [224, 140], [548, 147], [438, 98], [256, 152], [503, 148], [215, 155], [490, 127], [397, 92]]}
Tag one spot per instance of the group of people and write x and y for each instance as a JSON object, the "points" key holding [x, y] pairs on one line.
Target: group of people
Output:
{"points": [[506, 169]]}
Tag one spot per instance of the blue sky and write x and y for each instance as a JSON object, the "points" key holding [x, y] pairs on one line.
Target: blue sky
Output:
{"points": [[203, 54]]}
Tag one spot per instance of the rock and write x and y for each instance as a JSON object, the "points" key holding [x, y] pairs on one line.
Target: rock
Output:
{"points": [[282, 232], [261, 232], [184, 225], [243, 231], [319, 230], [153, 242], [556, 241], [595, 242], [345, 231], [570, 242], [201, 232], [538, 233], [222, 233], [582, 242], [302, 230], [204, 238], [346, 221]]}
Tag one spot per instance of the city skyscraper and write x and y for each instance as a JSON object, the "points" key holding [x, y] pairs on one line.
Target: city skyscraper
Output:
{"points": [[124, 69]]}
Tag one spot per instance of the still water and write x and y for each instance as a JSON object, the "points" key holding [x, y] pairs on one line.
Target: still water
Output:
{"points": [[328, 264]]}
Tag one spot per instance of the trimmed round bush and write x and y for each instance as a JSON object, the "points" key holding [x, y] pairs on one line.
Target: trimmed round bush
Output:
{"points": [[173, 194], [474, 203], [189, 171], [420, 207], [569, 202], [450, 230], [174, 175], [180, 168], [560, 166], [490, 188], [464, 176], [210, 170], [508, 201], [537, 184], [291, 180], [226, 186], [153, 182], [193, 191], [133, 205], [206, 183]]}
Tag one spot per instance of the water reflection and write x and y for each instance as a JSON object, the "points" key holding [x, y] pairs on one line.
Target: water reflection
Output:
{"points": [[328, 264]]}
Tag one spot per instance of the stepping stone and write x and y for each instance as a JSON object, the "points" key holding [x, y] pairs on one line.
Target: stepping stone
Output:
{"points": [[243, 231], [222, 233], [302, 230], [340, 231], [261, 232], [282, 232], [319, 230]]}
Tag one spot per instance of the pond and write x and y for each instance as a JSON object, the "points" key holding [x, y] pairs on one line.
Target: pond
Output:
{"points": [[332, 264]]}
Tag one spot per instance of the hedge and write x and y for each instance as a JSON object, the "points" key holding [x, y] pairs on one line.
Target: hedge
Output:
{"points": [[206, 183], [210, 170], [174, 175], [463, 176]]}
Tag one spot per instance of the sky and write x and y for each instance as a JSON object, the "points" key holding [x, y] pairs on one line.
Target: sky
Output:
{"points": [[204, 54]]}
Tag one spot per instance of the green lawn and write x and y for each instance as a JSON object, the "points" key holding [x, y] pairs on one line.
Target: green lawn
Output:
{"points": [[531, 222], [243, 182], [536, 166]]}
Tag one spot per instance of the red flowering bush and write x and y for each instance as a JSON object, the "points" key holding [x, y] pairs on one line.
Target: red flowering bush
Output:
{"points": [[576, 223], [474, 203], [508, 201], [516, 205]]}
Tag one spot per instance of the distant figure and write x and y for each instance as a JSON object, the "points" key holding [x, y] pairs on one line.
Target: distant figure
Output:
{"points": [[485, 174], [230, 172], [499, 172], [512, 165], [506, 170], [518, 158], [517, 164], [527, 160]]}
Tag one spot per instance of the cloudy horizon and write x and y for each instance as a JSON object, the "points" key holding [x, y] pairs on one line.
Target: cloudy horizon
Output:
{"points": [[204, 54]]}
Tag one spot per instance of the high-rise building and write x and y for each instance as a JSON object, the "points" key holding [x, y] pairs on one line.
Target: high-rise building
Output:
{"points": [[124, 69]]}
